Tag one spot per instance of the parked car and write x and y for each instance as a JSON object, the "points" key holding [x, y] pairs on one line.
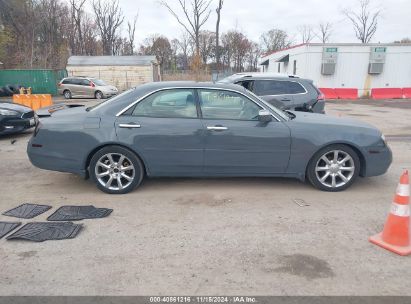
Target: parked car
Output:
{"points": [[15, 118], [282, 91], [85, 87], [204, 129]]}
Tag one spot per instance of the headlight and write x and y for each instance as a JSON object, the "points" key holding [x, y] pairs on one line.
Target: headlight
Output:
{"points": [[5, 112], [383, 139]]}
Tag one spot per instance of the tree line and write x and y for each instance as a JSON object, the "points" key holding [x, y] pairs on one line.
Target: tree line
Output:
{"points": [[44, 33]]}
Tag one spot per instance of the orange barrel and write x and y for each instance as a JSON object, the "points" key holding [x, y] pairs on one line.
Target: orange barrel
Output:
{"points": [[35, 102], [26, 100], [45, 100], [17, 98]]}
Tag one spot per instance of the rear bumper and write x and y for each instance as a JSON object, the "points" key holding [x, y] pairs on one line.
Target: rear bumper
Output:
{"points": [[45, 159], [377, 161], [318, 107]]}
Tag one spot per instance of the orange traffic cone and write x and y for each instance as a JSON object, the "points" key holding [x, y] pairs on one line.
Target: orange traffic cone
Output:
{"points": [[396, 234]]}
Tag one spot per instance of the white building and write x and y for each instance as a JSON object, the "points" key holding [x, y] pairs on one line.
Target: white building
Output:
{"points": [[345, 65]]}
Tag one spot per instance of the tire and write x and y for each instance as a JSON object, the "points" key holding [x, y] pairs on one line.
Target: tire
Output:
{"points": [[98, 95], [15, 88], [325, 173], [101, 164], [67, 94], [8, 90]]}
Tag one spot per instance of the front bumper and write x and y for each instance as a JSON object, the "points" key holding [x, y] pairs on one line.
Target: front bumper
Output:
{"points": [[377, 160], [110, 94], [15, 125]]}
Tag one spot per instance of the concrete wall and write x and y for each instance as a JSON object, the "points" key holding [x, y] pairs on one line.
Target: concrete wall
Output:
{"points": [[352, 66], [123, 77]]}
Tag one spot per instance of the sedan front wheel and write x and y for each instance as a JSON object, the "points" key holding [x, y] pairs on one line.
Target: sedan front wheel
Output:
{"points": [[116, 170], [334, 168]]}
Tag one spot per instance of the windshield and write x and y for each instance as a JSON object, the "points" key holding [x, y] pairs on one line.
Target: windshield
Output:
{"points": [[98, 82], [279, 112], [110, 100]]}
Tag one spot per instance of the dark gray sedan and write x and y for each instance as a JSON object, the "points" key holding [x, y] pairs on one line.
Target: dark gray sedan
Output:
{"points": [[204, 129]]}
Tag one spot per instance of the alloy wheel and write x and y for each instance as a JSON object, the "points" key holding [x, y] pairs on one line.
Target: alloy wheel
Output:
{"points": [[335, 168], [114, 171]]}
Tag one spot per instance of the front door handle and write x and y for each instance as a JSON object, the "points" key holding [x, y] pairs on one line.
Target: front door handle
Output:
{"points": [[129, 125], [285, 99], [217, 128]]}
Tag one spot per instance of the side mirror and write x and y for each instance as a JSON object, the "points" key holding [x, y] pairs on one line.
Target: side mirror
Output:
{"points": [[264, 116]]}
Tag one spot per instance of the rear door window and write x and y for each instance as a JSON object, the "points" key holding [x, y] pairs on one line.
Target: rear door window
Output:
{"points": [[270, 87], [67, 81], [176, 103], [277, 87]]}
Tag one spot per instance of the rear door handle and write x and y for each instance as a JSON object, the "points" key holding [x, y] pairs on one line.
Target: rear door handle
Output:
{"points": [[285, 99], [217, 128], [129, 125]]}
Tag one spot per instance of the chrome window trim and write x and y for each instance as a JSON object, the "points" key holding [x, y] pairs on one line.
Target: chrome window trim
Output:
{"points": [[193, 88], [305, 89]]}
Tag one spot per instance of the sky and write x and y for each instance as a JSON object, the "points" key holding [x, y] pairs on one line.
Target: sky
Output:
{"points": [[253, 17]]}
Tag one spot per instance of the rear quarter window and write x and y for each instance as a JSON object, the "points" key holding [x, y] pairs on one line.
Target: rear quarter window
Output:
{"points": [[66, 81], [295, 88]]}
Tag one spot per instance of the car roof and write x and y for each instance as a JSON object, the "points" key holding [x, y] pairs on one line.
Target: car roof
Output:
{"points": [[259, 75], [190, 84]]}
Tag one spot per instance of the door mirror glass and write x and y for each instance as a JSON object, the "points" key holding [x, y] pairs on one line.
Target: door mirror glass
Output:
{"points": [[264, 116]]}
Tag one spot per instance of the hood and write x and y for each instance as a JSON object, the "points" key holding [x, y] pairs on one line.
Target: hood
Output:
{"points": [[327, 120], [15, 107]]}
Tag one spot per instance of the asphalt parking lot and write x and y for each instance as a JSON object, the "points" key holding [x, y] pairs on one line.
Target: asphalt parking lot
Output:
{"points": [[212, 236]]}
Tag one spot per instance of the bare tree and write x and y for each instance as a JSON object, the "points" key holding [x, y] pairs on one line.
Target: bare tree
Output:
{"points": [[403, 40], [274, 40], [109, 18], [185, 44], [159, 46], [207, 43], [131, 30], [324, 31], [195, 16], [217, 33], [365, 21], [306, 33], [77, 41]]}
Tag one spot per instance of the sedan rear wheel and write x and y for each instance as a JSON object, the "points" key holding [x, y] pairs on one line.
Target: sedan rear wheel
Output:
{"points": [[116, 170], [334, 168]]}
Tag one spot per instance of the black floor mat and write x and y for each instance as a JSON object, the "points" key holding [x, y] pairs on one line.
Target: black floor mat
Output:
{"points": [[27, 211], [76, 213], [39, 232], [6, 227]]}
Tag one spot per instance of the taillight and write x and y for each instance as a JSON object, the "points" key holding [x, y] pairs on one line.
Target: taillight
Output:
{"points": [[92, 84], [321, 96]]}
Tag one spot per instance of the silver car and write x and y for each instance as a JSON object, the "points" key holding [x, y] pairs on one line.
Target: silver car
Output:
{"points": [[85, 87]]}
